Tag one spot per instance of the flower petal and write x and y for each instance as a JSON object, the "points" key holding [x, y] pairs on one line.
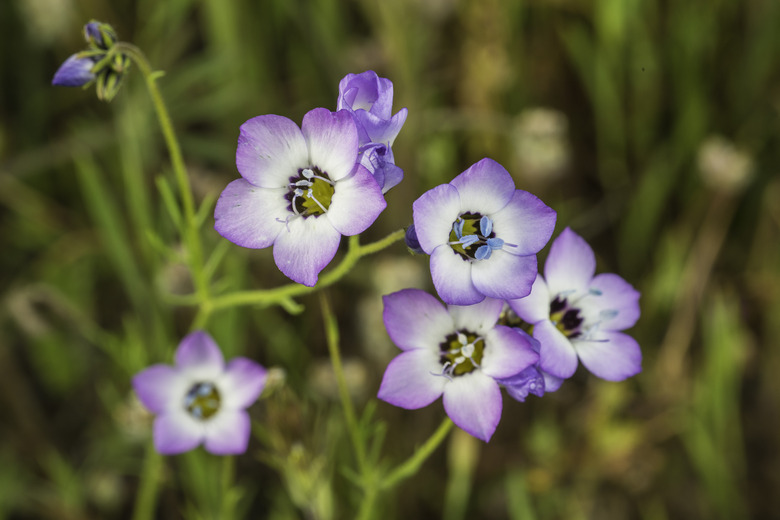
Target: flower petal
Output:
{"points": [[613, 356], [410, 380], [507, 353], [529, 381], [250, 216], [473, 402], [416, 320], [452, 277], [332, 139], [612, 302], [160, 387], [304, 249], [570, 264], [199, 357], [551, 383], [381, 130], [356, 203], [525, 222], [480, 317], [557, 355], [434, 213], [74, 72], [227, 433], [504, 276], [536, 306], [241, 383], [176, 432], [484, 188], [270, 150]]}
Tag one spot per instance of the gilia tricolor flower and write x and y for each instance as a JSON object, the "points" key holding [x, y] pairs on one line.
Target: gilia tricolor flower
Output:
{"points": [[301, 189], [96, 64], [200, 399], [576, 314], [455, 352], [369, 99], [482, 235]]}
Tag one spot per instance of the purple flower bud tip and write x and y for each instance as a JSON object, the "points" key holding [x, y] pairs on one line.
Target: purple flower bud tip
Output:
{"points": [[369, 100], [74, 72], [411, 241]]}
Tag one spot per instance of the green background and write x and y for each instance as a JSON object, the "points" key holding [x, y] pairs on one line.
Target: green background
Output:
{"points": [[657, 142]]}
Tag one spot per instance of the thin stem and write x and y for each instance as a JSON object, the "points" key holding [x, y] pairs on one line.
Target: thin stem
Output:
{"points": [[227, 508], [278, 294], [413, 463], [332, 336], [146, 498], [190, 232]]}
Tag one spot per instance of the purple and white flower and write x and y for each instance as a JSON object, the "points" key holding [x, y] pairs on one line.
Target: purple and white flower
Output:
{"points": [[369, 99], [578, 315], [456, 352], [482, 235], [200, 399], [301, 189]]}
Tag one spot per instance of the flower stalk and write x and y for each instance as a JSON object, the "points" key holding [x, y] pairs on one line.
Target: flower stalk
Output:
{"points": [[190, 233]]}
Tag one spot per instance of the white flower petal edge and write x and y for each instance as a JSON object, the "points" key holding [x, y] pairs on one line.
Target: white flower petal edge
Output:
{"points": [[304, 249], [250, 216], [415, 319], [570, 265], [410, 381], [357, 202], [473, 402], [227, 433], [270, 149], [332, 140], [452, 277]]}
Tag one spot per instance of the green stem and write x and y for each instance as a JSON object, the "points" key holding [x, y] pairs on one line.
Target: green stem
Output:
{"points": [[413, 463], [146, 498], [366, 511], [190, 231], [227, 508], [332, 336], [275, 295]]}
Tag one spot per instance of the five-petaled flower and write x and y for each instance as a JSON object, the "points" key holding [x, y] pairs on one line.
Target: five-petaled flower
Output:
{"points": [[200, 399], [369, 99], [575, 314], [482, 235], [456, 352], [301, 189]]}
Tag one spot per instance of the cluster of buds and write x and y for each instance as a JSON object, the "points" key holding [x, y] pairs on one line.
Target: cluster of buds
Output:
{"points": [[100, 63]]}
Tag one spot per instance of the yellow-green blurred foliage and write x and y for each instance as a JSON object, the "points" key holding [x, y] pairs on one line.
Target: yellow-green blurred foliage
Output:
{"points": [[650, 126]]}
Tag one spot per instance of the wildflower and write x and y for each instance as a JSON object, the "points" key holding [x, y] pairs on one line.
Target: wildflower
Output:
{"points": [[100, 63], [369, 99], [455, 352], [301, 189], [575, 314], [482, 235], [200, 399]]}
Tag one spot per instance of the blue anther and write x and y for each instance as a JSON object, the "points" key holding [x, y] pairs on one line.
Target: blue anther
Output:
{"points": [[485, 226]]}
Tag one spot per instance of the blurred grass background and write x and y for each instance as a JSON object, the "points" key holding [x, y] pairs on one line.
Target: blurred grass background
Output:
{"points": [[650, 126]]}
